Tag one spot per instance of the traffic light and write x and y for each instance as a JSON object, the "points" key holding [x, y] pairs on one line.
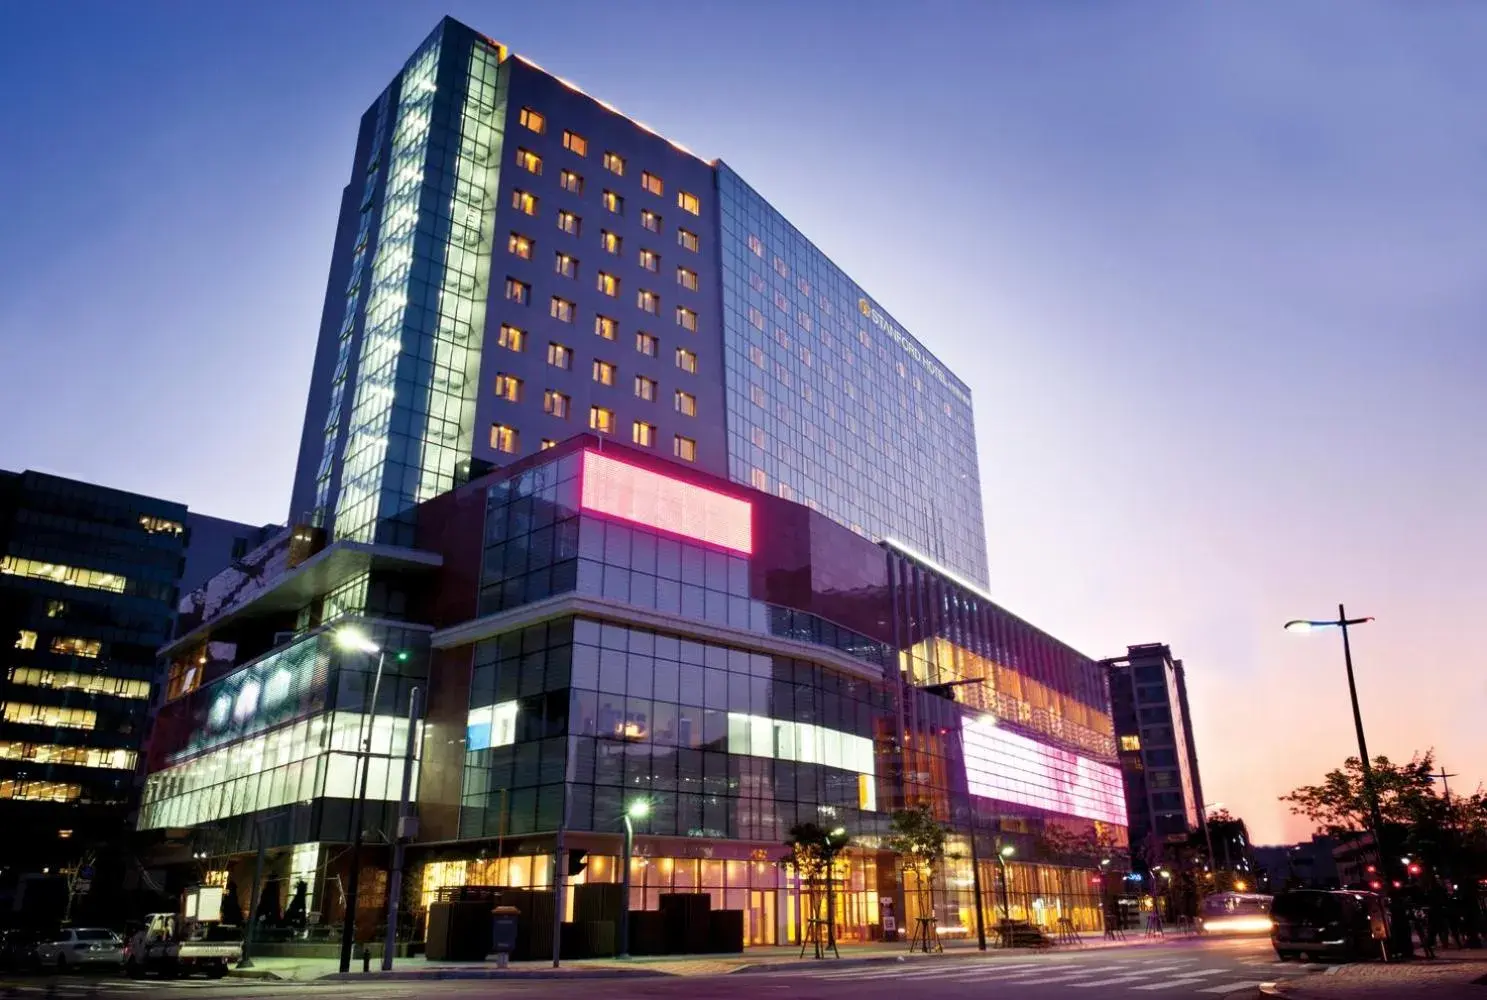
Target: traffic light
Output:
{"points": [[1371, 869], [402, 656], [577, 862]]}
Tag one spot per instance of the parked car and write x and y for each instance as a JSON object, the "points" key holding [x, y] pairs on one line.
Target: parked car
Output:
{"points": [[1329, 924], [17, 950], [80, 947], [173, 944]]}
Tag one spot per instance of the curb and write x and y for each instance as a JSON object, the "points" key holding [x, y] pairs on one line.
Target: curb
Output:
{"points": [[467, 974]]}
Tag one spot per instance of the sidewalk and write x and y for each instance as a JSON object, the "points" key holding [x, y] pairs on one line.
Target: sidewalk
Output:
{"points": [[772, 958], [1451, 976]]}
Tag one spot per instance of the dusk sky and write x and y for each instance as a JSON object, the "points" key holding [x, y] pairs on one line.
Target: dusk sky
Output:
{"points": [[1216, 274]]}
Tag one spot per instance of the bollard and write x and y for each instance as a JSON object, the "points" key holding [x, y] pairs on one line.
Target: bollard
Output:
{"points": [[366, 958]]}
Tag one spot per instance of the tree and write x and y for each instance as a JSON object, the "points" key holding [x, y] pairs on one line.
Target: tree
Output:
{"points": [[919, 839], [813, 854]]}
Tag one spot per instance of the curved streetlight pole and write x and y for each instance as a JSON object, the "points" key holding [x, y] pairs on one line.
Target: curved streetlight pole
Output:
{"points": [[639, 809], [351, 639]]}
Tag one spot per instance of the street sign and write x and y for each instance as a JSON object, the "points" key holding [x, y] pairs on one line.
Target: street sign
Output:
{"points": [[81, 886]]}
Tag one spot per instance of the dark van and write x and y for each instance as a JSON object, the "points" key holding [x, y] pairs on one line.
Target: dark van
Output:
{"points": [[1321, 924]]}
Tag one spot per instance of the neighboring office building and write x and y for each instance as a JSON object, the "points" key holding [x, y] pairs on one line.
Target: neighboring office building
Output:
{"points": [[516, 262], [1307, 865], [596, 625], [1164, 794]]}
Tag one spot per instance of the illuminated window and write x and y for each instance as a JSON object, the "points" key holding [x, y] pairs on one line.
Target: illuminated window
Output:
{"points": [[608, 284], [562, 310], [565, 265], [54, 753], [119, 687], [559, 356], [646, 344], [575, 143], [643, 434], [655, 500], [56, 609], [518, 291], [688, 203], [686, 404], [614, 163], [504, 438], [756, 318], [601, 420], [756, 437], [606, 326], [72, 576], [548, 443], [758, 479], [519, 246], [555, 404], [648, 300], [569, 223], [74, 646], [25, 639], [529, 161], [686, 319], [508, 387], [755, 246], [686, 240], [570, 181], [651, 183], [645, 388], [524, 201], [39, 791], [50, 715], [686, 361], [512, 338], [1130, 743], [610, 241], [161, 526], [650, 220], [604, 373], [534, 120], [684, 448], [687, 279], [614, 203], [756, 396]]}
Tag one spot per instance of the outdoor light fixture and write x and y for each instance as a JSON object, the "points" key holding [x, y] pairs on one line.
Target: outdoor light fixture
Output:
{"points": [[840, 831], [350, 638], [639, 809], [1008, 851]]}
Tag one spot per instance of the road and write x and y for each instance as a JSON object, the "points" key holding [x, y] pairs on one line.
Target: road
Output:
{"points": [[1202, 969]]}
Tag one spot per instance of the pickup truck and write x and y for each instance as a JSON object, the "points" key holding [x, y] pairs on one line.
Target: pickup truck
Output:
{"points": [[173, 945]]}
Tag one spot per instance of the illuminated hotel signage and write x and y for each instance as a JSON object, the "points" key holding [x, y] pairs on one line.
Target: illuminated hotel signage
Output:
{"points": [[1009, 767], [911, 346], [662, 503]]}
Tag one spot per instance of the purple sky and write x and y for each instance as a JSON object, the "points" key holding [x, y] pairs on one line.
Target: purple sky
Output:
{"points": [[1217, 278]]}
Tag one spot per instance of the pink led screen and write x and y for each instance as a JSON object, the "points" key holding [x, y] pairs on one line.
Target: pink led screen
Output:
{"points": [[1008, 767], [665, 504]]}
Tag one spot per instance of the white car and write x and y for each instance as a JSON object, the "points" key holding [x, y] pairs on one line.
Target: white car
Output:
{"points": [[80, 947]]}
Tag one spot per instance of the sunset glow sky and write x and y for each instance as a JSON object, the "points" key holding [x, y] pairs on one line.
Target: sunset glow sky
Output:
{"points": [[1217, 279]]}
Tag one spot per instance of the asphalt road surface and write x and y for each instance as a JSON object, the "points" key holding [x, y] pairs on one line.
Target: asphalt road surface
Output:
{"points": [[1202, 969]]}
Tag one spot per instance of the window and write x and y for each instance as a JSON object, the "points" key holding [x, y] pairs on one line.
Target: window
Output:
{"points": [[529, 161], [686, 361], [684, 448], [608, 284], [50, 715], [651, 183], [524, 201], [565, 265], [756, 247], [686, 319], [643, 434], [569, 181], [548, 443], [119, 687], [688, 203], [534, 120], [508, 387], [614, 163], [604, 373], [651, 221], [645, 388], [575, 143], [610, 241], [687, 240], [504, 438], [58, 609], [25, 639], [520, 246], [569, 223], [559, 356], [562, 310], [512, 338], [648, 300], [687, 279], [758, 479], [647, 344], [606, 327], [74, 646], [650, 260], [686, 404], [601, 420], [72, 576], [1130, 743], [555, 404], [614, 203], [518, 291]]}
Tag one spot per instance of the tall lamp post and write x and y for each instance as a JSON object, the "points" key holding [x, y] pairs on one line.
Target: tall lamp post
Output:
{"points": [[639, 809], [1213, 862], [1002, 854], [350, 639]]}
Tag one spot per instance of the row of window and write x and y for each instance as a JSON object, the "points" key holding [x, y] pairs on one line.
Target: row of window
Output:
{"points": [[613, 162], [514, 339], [519, 245], [556, 404], [564, 310], [49, 715], [505, 438]]}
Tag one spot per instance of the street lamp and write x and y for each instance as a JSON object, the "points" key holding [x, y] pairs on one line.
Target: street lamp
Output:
{"points": [[355, 641], [639, 809], [1002, 854]]}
